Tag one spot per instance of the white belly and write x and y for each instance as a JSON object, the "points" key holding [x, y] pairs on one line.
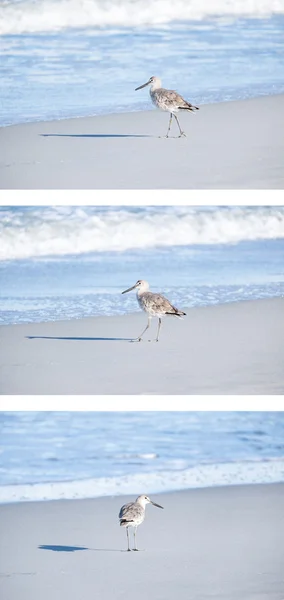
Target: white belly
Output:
{"points": [[148, 308]]}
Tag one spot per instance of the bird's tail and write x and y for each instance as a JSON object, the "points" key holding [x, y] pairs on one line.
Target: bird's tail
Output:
{"points": [[176, 313], [189, 107], [125, 521]]}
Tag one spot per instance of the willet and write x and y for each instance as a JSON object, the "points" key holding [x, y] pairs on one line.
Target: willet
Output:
{"points": [[133, 514], [155, 305], [168, 100]]}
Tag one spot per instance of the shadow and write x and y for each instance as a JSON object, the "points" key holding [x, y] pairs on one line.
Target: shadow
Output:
{"points": [[55, 548], [79, 339], [96, 135], [61, 548]]}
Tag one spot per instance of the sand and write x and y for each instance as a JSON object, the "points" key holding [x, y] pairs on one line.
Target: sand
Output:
{"points": [[215, 543], [234, 145], [235, 348]]}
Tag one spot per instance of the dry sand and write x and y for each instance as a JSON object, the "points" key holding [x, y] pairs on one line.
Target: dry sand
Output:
{"points": [[234, 348], [229, 145], [216, 543]]}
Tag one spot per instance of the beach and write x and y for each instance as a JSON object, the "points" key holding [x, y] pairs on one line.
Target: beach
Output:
{"points": [[233, 348], [233, 145], [224, 543]]}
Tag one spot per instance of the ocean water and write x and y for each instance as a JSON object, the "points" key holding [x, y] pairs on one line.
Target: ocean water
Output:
{"points": [[69, 262], [64, 58], [49, 455]]}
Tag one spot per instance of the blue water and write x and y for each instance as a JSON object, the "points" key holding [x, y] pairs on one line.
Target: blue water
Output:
{"points": [[87, 60], [72, 262], [132, 448]]}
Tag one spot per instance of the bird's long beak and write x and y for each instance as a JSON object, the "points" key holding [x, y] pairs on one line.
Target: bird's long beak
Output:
{"points": [[141, 86], [154, 504], [129, 289]]}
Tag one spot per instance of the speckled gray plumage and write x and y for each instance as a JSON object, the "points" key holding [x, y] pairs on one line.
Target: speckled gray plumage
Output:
{"points": [[170, 100], [156, 304], [131, 513]]}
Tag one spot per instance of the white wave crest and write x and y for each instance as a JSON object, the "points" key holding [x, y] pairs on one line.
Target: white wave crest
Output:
{"points": [[51, 15], [59, 231], [251, 472]]}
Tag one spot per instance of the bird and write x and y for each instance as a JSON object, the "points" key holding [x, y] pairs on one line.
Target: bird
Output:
{"points": [[133, 514], [168, 100], [155, 305]]}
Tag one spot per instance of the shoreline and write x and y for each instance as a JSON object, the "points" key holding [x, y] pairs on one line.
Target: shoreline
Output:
{"points": [[268, 471], [234, 348], [225, 542], [229, 146], [127, 111], [138, 312]]}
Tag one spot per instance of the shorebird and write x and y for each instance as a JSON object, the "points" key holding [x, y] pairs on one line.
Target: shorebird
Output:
{"points": [[168, 100], [133, 514], [155, 305]]}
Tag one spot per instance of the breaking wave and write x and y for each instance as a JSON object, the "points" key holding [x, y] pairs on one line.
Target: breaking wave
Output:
{"points": [[239, 473], [28, 16], [33, 232]]}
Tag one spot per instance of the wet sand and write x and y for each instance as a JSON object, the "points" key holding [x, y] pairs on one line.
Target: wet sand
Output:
{"points": [[230, 145], [234, 348], [222, 543]]}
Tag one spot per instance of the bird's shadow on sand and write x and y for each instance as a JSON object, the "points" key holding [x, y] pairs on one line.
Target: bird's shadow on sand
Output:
{"points": [[79, 339], [97, 135], [55, 548]]}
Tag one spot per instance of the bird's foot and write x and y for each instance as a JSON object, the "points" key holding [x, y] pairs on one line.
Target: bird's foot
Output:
{"points": [[157, 339], [182, 134], [135, 549], [128, 549]]}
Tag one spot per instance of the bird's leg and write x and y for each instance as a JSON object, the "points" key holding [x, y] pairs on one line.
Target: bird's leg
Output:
{"points": [[159, 325], [128, 549], [135, 547], [169, 125], [147, 327], [182, 134]]}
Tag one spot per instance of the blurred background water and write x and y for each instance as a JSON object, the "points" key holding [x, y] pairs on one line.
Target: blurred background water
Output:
{"points": [[70, 58], [76, 454], [66, 262]]}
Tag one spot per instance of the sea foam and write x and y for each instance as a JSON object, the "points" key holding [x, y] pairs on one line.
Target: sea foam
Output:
{"points": [[28, 16], [239, 473], [58, 231]]}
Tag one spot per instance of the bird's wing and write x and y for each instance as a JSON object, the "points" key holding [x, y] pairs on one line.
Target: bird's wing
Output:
{"points": [[130, 511], [124, 509], [161, 303], [171, 98], [168, 96], [179, 101]]}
